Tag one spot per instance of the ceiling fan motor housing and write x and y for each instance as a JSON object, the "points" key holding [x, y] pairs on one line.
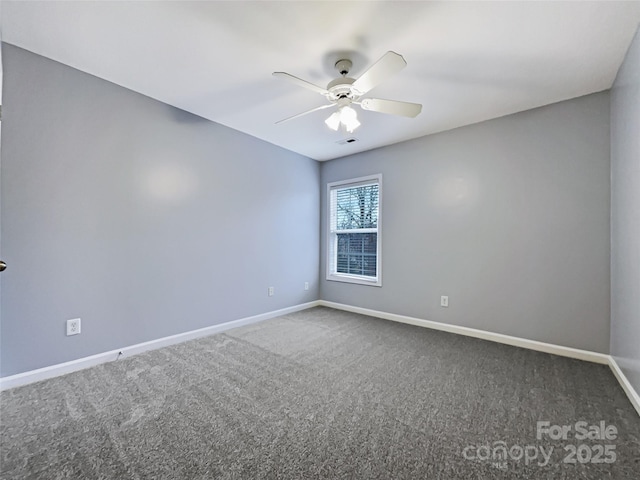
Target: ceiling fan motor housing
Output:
{"points": [[340, 88]]}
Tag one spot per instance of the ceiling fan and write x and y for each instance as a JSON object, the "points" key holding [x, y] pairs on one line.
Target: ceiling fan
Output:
{"points": [[345, 91]]}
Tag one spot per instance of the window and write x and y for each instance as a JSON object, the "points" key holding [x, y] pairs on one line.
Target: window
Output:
{"points": [[353, 253]]}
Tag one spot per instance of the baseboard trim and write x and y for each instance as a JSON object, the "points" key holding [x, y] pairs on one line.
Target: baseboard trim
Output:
{"points": [[633, 396], [483, 334], [44, 373]]}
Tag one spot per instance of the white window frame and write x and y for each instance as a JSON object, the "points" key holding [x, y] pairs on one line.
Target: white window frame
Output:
{"points": [[332, 237]]}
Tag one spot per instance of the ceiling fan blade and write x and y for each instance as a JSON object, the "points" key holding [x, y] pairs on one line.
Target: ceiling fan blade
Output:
{"points": [[388, 65], [392, 107], [321, 107], [300, 82]]}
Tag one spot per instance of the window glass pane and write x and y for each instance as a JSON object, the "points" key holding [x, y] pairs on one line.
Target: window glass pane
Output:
{"points": [[357, 253], [357, 207]]}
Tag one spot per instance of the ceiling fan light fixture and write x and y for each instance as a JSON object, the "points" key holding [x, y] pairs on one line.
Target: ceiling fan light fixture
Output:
{"points": [[346, 116], [349, 118], [352, 125], [333, 122]]}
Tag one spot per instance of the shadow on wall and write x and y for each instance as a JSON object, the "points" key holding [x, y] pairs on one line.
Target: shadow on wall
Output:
{"points": [[182, 116]]}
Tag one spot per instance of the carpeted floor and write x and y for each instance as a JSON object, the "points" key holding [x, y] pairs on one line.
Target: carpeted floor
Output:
{"points": [[322, 394]]}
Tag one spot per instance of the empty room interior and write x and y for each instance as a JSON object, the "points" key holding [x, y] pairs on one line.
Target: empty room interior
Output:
{"points": [[372, 240]]}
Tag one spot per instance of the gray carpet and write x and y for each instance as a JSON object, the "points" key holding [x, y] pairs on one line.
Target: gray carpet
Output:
{"points": [[318, 394]]}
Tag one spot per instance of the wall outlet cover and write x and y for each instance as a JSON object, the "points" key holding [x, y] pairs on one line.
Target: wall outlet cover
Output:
{"points": [[73, 326]]}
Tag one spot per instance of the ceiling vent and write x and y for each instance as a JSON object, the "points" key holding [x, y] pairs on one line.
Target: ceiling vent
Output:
{"points": [[346, 141]]}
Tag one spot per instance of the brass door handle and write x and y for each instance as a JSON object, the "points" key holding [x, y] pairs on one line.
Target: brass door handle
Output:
{"points": [[3, 266]]}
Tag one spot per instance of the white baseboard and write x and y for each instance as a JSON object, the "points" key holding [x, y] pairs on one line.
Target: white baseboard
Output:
{"points": [[633, 396], [86, 362], [472, 332]]}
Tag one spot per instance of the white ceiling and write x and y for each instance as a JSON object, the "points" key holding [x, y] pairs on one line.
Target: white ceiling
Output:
{"points": [[467, 61]]}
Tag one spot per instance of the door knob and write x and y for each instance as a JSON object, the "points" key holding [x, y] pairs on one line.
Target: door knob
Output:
{"points": [[2, 266]]}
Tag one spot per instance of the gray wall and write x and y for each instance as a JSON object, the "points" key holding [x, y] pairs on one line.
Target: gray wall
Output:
{"points": [[509, 217], [625, 216], [143, 220]]}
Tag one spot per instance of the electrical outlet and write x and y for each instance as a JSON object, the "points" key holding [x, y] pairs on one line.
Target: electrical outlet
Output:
{"points": [[306, 285], [73, 326], [444, 301], [271, 291]]}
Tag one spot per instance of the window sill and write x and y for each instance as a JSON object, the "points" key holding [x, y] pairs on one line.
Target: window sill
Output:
{"points": [[357, 279]]}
